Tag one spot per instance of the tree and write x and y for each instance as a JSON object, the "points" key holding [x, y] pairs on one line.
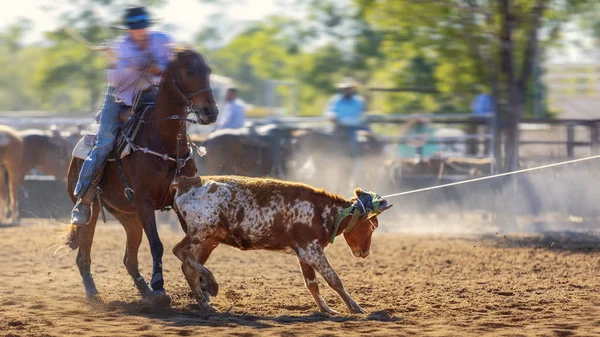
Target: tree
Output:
{"points": [[493, 42], [16, 62], [70, 76]]}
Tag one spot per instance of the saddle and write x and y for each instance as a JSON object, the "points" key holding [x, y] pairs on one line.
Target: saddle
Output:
{"points": [[89, 138]]}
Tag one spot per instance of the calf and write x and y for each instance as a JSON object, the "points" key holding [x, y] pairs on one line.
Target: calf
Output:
{"points": [[253, 213]]}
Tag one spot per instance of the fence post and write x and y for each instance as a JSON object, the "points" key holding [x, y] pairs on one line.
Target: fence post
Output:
{"points": [[594, 137], [570, 141]]}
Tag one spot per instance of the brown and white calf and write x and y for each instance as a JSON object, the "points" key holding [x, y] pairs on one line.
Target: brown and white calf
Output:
{"points": [[254, 213]]}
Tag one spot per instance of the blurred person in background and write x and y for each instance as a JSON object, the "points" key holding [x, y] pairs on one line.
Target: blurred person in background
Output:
{"points": [[483, 103], [418, 133], [234, 114], [347, 110], [137, 61]]}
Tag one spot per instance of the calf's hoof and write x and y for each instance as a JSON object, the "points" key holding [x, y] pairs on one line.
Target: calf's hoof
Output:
{"points": [[357, 309], [209, 284], [329, 311], [204, 306]]}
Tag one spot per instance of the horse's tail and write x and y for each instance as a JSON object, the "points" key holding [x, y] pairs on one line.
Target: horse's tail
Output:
{"points": [[72, 237]]}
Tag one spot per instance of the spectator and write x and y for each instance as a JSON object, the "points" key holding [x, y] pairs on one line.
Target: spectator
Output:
{"points": [[483, 103], [347, 110], [418, 133], [234, 114]]}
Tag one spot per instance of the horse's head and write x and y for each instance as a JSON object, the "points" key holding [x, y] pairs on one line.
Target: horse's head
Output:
{"points": [[358, 237], [190, 76]]}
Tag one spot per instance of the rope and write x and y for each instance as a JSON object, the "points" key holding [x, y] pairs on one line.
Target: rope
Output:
{"points": [[493, 176]]}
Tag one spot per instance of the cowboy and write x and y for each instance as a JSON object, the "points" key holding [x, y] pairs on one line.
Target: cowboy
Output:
{"points": [[137, 61], [347, 109]]}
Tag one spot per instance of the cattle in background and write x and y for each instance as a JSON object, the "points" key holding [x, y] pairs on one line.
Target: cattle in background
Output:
{"points": [[268, 214], [47, 152], [250, 151], [11, 173], [323, 158]]}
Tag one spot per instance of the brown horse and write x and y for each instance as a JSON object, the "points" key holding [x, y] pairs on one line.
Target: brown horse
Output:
{"points": [[46, 151], [11, 173], [184, 89]]}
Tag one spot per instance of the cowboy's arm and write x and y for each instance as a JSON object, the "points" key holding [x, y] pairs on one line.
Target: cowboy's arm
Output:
{"points": [[331, 110], [161, 55], [122, 62]]}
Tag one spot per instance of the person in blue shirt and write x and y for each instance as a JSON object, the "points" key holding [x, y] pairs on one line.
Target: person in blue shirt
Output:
{"points": [[483, 103], [234, 114], [137, 61], [347, 110]]}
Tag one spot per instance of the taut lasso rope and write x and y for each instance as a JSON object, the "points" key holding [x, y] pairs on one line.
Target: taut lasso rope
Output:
{"points": [[492, 176]]}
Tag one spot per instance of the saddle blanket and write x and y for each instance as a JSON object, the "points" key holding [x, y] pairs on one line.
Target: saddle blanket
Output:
{"points": [[86, 143]]}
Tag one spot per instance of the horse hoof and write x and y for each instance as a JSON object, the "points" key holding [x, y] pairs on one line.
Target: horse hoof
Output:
{"points": [[94, 297], [159, 298], [15, 222]]}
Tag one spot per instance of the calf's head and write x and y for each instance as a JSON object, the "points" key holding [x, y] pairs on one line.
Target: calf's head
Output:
{"points": [[358, 237]]}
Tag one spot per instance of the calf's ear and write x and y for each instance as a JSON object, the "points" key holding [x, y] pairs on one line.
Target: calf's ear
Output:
{"points": [[358, 191]]}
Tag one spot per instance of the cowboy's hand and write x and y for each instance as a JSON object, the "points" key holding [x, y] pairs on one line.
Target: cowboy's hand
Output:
{"points": [[153, 69], [109, 52]]}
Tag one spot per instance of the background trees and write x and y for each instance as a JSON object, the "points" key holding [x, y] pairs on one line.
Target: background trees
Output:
{"points": [[452, 48]]}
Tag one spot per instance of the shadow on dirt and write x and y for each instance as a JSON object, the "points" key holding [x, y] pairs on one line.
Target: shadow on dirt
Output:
{"points": [[190, 316], [557, 240]]}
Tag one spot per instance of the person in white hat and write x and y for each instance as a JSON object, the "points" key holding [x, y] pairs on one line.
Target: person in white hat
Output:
{"points": [[347, 110]]}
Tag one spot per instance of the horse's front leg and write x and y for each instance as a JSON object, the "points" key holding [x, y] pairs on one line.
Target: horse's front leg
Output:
{"points": [[146, 214]]}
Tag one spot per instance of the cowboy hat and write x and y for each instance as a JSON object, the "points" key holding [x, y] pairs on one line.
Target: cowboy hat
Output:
{"points": [[346, 82], [135, 18]]}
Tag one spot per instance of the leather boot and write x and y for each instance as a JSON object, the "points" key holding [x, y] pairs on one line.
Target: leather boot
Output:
{"points": [[81, 213]]}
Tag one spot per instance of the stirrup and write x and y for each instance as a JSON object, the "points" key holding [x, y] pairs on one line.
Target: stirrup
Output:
{"points": [[129, 194]]}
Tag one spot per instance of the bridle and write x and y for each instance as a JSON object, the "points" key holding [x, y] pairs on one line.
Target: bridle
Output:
{"points": [[189, 108], [179, 87]]}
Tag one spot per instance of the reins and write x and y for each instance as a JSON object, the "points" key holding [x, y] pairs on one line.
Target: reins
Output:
{"points": [[189, 108]]}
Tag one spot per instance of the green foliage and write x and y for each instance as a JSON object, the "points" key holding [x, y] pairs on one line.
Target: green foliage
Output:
{"points": [[448, 46]]}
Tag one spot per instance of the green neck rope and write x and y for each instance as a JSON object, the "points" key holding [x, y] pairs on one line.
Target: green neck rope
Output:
{"points": [[355, 211]]}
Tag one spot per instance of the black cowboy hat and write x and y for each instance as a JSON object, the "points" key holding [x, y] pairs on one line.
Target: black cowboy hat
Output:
{"points": [[135, 18]]}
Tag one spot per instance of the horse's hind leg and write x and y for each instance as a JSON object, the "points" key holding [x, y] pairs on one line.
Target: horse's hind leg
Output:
{"points": [[133, 228], [84, 259]]}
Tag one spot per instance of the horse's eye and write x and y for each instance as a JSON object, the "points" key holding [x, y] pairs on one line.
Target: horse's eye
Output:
{"points": [[190, 73]]}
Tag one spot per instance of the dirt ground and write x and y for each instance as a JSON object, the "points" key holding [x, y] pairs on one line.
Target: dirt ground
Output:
{"points": [[411, 285]]}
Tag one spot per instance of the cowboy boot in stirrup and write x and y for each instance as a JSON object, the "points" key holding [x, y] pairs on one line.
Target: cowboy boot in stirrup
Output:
{"points": [[81, 213]]}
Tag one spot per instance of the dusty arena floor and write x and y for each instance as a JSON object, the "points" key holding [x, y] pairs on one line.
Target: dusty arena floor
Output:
{"points": [[411, 285]]}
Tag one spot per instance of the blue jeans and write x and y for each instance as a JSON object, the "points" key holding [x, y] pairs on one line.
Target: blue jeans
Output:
{"points": [[105, 140], [353, 144]]}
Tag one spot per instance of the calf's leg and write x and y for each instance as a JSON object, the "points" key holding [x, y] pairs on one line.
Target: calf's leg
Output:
{"points": [[200, 279], [314, 256], [310, 279]]}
